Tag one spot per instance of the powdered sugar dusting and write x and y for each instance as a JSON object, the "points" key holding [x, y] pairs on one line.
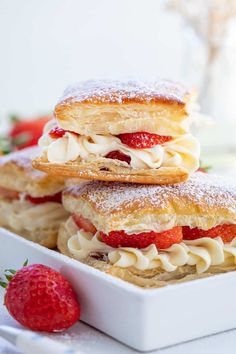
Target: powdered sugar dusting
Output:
{"points": [[23, 159], [201, 189], [115, 91]]}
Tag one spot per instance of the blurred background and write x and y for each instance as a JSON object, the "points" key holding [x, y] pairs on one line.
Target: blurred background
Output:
{"points": [[46, 45]]}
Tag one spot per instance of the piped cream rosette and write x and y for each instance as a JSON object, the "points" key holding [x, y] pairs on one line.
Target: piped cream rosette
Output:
{"points": [[202, 253]]}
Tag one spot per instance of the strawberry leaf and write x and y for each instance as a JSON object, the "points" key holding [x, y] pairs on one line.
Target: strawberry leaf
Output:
{"points": [[21, 138], [25, 262], [12, 271], [3, 284], [5, 145], [14, 118], [8, 277]]}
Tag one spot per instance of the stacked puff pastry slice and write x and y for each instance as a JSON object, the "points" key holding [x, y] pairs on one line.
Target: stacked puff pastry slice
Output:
{"points": [[147, 216], [30, 200], [121, 131], [152, 235]]}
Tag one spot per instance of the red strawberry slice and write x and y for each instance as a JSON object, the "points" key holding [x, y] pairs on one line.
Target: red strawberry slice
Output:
{"points": [[162, 240], [117, 155], [8, 194], [26, 133], [143, 140], [84, 224], [41, 299], [57, 132], [56, 198], [226, 232]]}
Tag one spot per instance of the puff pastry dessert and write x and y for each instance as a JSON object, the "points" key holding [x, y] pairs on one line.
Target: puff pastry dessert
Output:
{"points": [[127, 131], [152, 235], [30, 200]]}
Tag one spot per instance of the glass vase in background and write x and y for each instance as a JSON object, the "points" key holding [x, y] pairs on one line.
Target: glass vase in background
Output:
{"points": [[209, 64]]}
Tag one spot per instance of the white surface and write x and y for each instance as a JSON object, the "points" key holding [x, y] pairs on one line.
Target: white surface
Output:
{"points": [[30, 342], [163, 316]]}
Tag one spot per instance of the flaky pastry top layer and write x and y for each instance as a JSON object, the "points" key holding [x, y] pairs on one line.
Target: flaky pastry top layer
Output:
{"points": [[116, 107], [203, 201], [17, 173], [126, 91]]}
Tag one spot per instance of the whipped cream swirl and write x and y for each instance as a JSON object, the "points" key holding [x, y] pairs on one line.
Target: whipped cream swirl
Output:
{"points": [[202, 253], [182, 151]]}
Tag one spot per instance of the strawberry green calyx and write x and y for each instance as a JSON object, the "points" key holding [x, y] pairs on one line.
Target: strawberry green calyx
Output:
{"points": [[8, 274]]}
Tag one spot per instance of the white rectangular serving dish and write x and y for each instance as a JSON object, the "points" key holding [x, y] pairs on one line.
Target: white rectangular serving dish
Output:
{"points": [[145, 319]]}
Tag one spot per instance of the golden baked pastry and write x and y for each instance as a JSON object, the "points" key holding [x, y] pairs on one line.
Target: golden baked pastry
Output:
{"points": [[152, 235], [116, 107], [17, 174], [127, 131], [30, 200]]}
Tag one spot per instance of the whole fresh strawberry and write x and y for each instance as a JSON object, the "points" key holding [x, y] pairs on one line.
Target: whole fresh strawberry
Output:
{"points": [[41, 299], [26, 133]]}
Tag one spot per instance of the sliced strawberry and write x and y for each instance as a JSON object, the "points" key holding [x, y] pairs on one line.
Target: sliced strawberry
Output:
{"points": [[26, 133], [84, 224], [162, 240], [57, 132], [48, 198], [8, 193], [226, 232], [143, 140], [117, 155]]}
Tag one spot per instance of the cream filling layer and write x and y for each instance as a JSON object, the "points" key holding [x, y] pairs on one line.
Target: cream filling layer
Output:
{"points": [[168, 221], [182, 151], [23, 215], [201, 253]]}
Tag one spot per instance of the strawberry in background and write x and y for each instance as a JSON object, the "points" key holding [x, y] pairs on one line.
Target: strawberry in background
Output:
{"points": [[22, 133], [25, 133]]}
